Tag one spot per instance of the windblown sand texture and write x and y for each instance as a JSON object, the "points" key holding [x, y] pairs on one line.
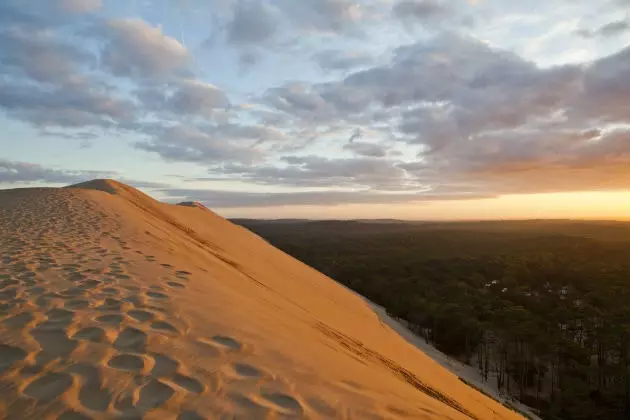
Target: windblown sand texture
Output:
{"points": [[113, 305]]}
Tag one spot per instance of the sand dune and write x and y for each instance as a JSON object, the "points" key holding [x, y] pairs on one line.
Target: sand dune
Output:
{"points": [[113, 305]]}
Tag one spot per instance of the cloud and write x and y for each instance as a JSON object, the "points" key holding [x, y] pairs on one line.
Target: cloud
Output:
{"points": [[333, 16], [183, 97], [361, 148], [531, 161], [360, 172], [253, 22], [75, 105], [80, 6], [610, 29], [330, 60], [276, 24], [247, 59], [45, 14], [192, 144], [39, 55], [420, 10], [465, 87], [12, 14], [51, 79], [18, 173], [47, 81], [484, 120], [193, 96], [605, 90], [297, 98], [235, 199], [13, 172], [133, 48], [84, 136], [614, 28]]}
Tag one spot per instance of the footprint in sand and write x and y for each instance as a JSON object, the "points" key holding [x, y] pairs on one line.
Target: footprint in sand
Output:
{"points": [[226, 342], [131, 339], [154, 394], [246, 371], [164, 366], [164, 327], [218, 345], [95, 398], [282, 402], [137, 301], [125, 404], [73, 415], [247, 404], [77, 304], [322, 407], [182, 275], [60, 316], [90, 374], [54, 344], [19, 321], [34, 291], [90, 284], [110, 291], [8, 294], [29, 282], [111, 319], [188, 383], [72, 292], [127, 362], [110, 304], [43, 301], [94, 334], [190, 415], [9, 355], [49, 387], [76, 277], [5, 308], [6, 283], [141, 315], [157, 295], [92, 394]]}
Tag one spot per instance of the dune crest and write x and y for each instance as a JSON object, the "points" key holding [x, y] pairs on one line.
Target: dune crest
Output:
{"points": [[113, 304], [194, 204]]}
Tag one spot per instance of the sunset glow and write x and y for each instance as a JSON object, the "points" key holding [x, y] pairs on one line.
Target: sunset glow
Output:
{"points": [[584, 205]]}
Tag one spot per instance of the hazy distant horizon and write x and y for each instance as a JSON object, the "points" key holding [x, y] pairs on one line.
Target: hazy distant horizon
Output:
{"points": [[432, 220]]}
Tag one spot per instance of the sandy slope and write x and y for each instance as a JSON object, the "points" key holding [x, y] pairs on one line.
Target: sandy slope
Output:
{"points": [[115, 305]]}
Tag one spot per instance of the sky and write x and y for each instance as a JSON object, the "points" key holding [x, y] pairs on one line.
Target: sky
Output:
{"points": [[410, 109]]}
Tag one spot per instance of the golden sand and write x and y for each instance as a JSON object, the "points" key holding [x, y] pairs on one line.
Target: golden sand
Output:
{"points": [[113, 305]]}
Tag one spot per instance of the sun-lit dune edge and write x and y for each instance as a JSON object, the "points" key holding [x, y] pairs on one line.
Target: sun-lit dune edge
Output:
{"points": [[115, 305]]}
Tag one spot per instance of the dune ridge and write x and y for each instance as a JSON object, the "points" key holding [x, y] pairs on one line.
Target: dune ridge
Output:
{"points": [[114, 305]]}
